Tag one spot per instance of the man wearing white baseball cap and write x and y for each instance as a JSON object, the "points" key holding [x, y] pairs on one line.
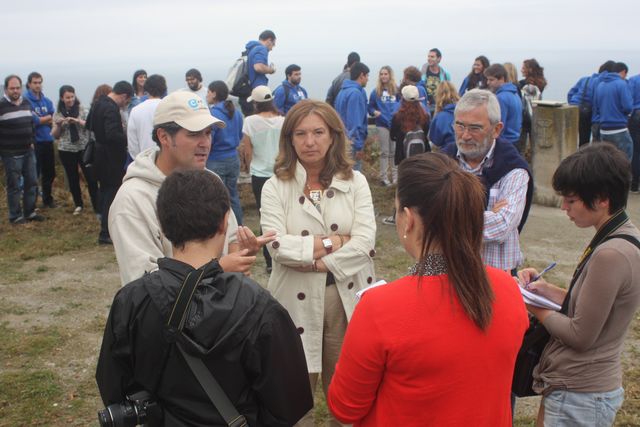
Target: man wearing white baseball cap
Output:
{"points": [[182, 129]]}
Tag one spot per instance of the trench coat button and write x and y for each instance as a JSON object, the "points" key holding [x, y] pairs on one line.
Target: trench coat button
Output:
{"points": [[334, 227], [301, 296], [305, 232], [369, 279], [301, 200], [300, 330], [275, 245], [330, 193], [350, 285], [372, 253]]}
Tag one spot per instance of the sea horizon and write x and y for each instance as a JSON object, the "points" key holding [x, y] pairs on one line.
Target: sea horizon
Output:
{"points": [[562, 68]]}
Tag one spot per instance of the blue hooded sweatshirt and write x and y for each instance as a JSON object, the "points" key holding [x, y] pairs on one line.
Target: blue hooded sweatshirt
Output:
{"points": [[258, 54], [386, 104], [510, 112], [40, 107], [634, 86], [575, 95], [613, 102], [224, 142], [293, 94], [595, 117], [351, 104], [441, 131]]}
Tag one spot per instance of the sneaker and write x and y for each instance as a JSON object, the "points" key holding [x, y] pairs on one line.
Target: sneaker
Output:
{"points": [[18, 221], [35, 217], [385, 183], [390, 220], [77, 210], [50, 204]]}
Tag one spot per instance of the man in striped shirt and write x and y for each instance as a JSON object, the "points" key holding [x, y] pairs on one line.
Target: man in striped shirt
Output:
{"points": [[501, 169], [16, 151]]}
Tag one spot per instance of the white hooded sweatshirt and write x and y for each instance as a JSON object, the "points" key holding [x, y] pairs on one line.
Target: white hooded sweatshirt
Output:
{"points": [[133, 220]]}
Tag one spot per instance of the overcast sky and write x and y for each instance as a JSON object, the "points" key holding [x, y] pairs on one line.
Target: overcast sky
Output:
{"points": [[88, 37]]}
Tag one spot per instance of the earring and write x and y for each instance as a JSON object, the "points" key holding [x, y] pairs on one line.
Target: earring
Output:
{"points": [[405, 236]]}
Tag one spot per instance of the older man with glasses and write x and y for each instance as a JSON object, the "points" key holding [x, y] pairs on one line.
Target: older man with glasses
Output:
{"points": [[503, 171]]}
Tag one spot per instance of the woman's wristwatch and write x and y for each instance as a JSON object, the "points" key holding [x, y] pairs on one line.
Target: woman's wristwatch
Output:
{"points": [[328, 244]]}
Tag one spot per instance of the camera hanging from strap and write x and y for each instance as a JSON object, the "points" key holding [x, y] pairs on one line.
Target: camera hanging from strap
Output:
{"points": [[175, 324]]}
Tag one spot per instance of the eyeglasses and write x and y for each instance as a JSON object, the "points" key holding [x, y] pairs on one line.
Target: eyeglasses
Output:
{"points": [[473, 129]]}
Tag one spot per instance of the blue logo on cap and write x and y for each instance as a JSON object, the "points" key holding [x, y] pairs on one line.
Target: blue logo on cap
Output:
{"points": [[193, 103]]}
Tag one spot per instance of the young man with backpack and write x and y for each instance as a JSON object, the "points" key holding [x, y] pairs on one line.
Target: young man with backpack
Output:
{"points": [[256, 70]]}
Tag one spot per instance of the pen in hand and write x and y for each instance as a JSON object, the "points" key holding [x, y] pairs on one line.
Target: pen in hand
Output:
{"points": [[538, 276]]}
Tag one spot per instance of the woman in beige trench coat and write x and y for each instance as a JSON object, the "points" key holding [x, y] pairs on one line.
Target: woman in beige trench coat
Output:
{"points": [[322, 212]]}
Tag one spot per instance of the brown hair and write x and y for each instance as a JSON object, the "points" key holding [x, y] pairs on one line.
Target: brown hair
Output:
{"points": [[103, 89], [337, 160], [497, 71], [450, 203], [411, 74], [535, 73], [446, 94], [411, 115]]}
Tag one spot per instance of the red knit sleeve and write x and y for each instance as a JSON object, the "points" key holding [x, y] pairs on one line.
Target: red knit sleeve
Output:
{"points": [[360, 368]]}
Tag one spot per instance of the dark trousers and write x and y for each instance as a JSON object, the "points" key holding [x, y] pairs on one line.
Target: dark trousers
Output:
{"points": [[584, 128], [71, 161], [46, 169], [257, 182], [247, 107], [107, 194], [595, 131], [634, 130]]}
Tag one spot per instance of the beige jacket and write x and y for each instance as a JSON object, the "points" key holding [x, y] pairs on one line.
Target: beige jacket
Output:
{"points": [[346, 208], [133, 221]]}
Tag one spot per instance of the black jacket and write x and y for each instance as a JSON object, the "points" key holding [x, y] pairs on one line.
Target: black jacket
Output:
{"points": [[245, 337], [111, 141]]}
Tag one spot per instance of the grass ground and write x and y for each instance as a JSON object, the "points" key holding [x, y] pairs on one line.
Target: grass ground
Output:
{"points": [[56, 285]]}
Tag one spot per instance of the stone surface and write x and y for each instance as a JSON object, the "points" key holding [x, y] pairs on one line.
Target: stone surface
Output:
{"points": [[554, 134]]}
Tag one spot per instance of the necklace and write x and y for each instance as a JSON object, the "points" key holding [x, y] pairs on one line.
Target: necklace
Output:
{"points": [[430, 265], [314, 195]]}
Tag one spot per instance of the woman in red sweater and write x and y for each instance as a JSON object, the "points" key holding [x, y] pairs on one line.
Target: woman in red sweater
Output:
{"points": [[438, 346]]}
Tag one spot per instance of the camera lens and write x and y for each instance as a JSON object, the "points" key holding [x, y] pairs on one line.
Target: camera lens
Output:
{"points": [[104, 418]]}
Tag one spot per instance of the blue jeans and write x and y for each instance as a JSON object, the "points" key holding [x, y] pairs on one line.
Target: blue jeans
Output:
{"points": [[568, 408], [622, 140], [358, 165], [22, 179], [634, 131], [229, 170]]}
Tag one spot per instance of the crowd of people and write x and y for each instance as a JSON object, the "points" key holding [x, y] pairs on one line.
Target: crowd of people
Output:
{"points": [[419, 348]]}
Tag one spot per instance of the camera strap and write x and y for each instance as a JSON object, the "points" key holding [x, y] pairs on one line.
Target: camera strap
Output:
{"points": [[602, 235], [176, 323]]}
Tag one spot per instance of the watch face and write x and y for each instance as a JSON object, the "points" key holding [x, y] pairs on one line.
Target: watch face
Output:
{"points": [[327, 243]]}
